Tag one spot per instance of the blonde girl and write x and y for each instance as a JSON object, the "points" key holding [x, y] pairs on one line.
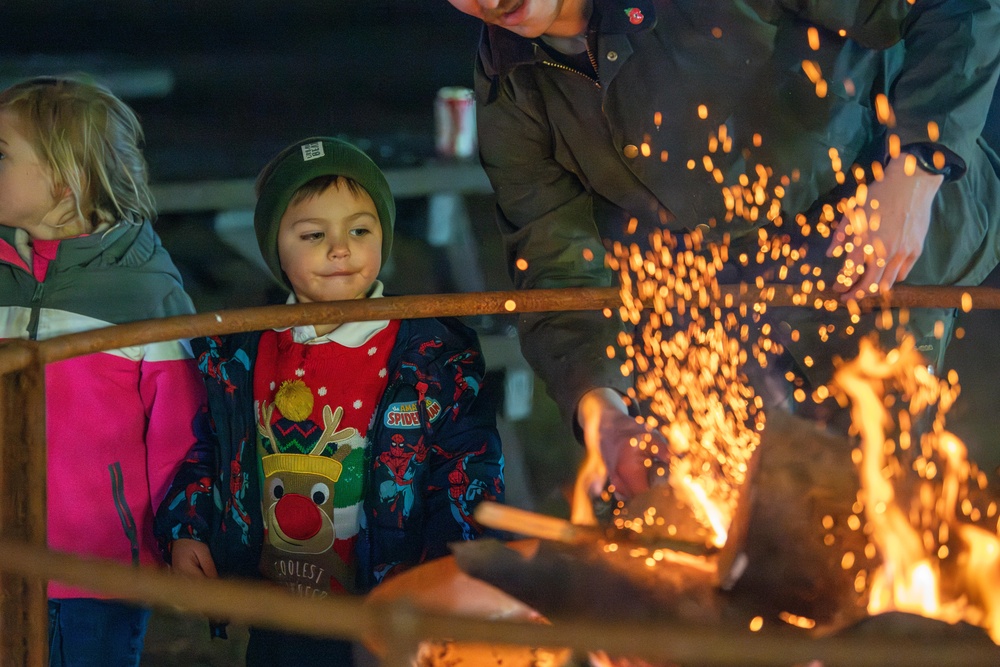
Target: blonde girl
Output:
{"points": [[78, 252]]}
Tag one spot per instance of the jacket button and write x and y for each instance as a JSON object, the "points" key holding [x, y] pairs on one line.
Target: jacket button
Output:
{"points": [[631, 151], [612, 56]]}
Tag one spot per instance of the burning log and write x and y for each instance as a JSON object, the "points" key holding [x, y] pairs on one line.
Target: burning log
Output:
{"points": [[571, 581], [803, 476], [797, 577], [440, 586], [691, 540], [809, 554], [903, 626]]}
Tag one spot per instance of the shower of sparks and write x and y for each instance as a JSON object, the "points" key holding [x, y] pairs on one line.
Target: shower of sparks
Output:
{"points": [[689, 346], [688, 365]]}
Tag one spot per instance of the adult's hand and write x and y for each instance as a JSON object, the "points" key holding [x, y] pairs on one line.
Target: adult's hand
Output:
{"points": [[192, 558], [887, 229], [610, 430]]}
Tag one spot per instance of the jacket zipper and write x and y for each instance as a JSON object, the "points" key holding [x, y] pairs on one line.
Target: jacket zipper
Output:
{"points": [[593, 60], [124, 514], [574, 71], [36, 307], [375, 435], [593, 63]]}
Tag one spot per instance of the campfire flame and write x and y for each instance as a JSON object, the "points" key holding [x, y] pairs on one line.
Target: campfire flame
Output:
{"points": [[591, 476], [933, 562]]}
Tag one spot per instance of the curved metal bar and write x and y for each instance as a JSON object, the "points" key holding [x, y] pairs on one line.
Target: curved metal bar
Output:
{"points": [[471, 303], [350, 617]]}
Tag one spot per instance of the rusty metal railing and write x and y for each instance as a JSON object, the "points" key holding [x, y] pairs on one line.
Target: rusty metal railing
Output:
{"points": [[26, 564]]}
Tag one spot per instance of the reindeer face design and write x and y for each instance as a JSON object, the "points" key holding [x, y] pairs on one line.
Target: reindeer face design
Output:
{"points": [[299, 488], [298, 501]]}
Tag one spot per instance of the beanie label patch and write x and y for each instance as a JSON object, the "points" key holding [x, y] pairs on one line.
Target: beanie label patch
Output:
{"points": [[312, 151]]}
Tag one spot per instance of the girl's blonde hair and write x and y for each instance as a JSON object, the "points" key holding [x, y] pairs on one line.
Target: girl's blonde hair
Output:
{"points": [[90, 140]]}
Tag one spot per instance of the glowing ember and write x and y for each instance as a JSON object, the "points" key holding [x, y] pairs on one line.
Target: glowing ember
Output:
{"points": [[933, 562], [797, 621]]}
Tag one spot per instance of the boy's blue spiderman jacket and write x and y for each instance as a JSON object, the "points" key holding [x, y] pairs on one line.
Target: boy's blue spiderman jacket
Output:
{"points": [[450, 464]]}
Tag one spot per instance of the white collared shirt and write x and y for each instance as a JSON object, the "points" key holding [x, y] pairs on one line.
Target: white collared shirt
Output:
{"points": [[348, 334]]}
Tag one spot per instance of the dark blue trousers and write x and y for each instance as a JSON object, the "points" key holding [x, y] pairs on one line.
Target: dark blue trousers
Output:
{"points": [[85, 632], [273, 648]]}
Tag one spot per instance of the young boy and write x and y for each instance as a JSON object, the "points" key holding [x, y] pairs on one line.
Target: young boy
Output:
{"points": [[339, 454]]}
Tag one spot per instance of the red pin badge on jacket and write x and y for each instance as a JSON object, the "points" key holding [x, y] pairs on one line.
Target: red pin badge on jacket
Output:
{"points": [[635, 16]]}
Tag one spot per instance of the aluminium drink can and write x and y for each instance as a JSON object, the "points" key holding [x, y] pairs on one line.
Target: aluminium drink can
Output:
{"points": [[455, 122]]}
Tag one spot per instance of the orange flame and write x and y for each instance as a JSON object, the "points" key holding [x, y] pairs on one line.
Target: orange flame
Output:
{"points": [[593, 471], [922, 571]]}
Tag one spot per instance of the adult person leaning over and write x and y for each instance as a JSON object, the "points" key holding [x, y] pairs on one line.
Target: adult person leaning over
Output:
{"points": [[569, 91]]}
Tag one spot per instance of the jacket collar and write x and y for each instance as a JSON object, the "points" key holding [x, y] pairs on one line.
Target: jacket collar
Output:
{"points": [[348, 334], [124, 244], [502, 50]]}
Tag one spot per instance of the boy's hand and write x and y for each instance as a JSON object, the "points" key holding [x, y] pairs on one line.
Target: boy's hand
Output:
{"points": [[193, 558]]}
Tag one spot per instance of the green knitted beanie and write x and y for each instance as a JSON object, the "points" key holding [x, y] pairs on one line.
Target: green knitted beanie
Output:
{"points": [[297, 165]]}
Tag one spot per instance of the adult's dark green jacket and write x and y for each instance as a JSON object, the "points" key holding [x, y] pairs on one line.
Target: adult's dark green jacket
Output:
{"points": [[572, 157]]}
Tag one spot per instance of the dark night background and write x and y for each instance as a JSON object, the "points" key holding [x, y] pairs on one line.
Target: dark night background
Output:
{"points": [[221, 85]]}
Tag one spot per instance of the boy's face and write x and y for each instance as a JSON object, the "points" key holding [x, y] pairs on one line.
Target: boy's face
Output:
{"points": [[531, 18], [330, 245], [26, 187]]}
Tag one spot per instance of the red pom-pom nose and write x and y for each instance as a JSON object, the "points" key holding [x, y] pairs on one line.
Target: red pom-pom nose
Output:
{"points": [[297, 516]]}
